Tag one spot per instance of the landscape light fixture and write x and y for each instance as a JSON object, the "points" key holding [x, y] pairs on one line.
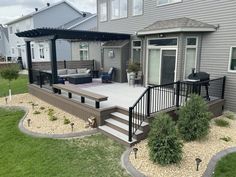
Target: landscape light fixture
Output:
{"points": [[28, 122], [135, 152], [198, 161], [72, 126]]}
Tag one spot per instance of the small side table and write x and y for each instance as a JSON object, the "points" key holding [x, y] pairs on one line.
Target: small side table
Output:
{"points": [[95, 73]]}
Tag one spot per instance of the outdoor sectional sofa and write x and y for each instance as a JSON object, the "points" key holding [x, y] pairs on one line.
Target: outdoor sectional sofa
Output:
{"points": [[66, 73]]}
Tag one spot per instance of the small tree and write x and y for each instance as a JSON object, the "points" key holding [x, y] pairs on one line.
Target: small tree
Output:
{"points": [[10, 73], [194, 119], [164, 145]]}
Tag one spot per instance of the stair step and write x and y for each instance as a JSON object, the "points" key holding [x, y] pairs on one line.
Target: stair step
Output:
{"points": [[125, 117], [118, 135], [121, 125]]}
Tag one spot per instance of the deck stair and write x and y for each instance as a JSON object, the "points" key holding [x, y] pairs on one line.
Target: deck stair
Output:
{"points": [[116, 127]]}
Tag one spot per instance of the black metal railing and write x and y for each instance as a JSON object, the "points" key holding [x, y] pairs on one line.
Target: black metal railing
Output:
{"points": [[42, 78], [162, 97]]}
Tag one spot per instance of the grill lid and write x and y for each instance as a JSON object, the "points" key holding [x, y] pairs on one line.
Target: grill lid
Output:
{"points": [[200, 76]]}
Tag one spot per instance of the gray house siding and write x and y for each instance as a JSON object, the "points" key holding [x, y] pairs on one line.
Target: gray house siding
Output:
{"points": [[215, 49], [54, 16], [91, 24]]}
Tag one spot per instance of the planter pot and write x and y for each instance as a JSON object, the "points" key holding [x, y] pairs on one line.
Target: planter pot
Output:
{"points": [[130, 77]]}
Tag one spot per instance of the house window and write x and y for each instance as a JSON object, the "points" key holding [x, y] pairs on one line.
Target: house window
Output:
{"points": [[165, 2], [32, 51], [41, 51], [163, 42], [137, 7], [11, 30], [103, 12], [190, 55], [13, 51], [119, 9], [232, 65], [136, 51], [83, 47]]}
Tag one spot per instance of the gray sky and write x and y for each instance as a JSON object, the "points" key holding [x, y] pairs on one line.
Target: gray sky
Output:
{"points": [[12, 9]]}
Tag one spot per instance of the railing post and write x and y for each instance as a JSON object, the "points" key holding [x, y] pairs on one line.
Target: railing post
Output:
{"points": [[40, 80], [130, 123], [223, 88], [177, 93], [148, 101]]}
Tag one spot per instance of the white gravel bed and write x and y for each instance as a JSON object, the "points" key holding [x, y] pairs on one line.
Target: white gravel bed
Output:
{"points": [[40, 123], [204, 149]]}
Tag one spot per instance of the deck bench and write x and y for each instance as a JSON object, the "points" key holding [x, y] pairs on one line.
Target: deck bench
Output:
{"points": [[83, 93]]}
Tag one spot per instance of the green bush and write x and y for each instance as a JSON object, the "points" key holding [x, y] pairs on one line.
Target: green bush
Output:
{"points": [[164, 145], [53, 118], [66, 121], [229, 115], [42, 108], [194, 119], [36, 112], [221, 123], [226, 139]]}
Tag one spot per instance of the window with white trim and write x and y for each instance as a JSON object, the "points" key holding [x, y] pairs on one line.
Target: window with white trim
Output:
{"points": [[103, 11], [190, 55], [137, 7], [119, 9], [32, 51], [83, 50], [232, 64], [136, 51], [41, 51], [165, 2]]}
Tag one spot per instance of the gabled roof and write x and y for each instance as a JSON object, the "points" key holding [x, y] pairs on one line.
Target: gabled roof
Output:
{"points": [[43, 9], [177, 25]]}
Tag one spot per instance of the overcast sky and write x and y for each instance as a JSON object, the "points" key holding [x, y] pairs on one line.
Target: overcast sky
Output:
{"points": [[12, 9]]}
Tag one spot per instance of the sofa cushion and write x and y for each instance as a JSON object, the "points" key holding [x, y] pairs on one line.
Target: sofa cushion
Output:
{"points": [[88, 71], [110, 71], [62, 72], [81, 70], [71, 71]]}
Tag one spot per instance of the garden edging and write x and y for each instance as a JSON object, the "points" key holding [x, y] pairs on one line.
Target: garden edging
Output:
{"points": [[42, 135], [212, 164], [125, 162]]}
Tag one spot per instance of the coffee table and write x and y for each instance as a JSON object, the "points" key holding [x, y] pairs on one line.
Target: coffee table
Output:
{"points": [[79, 79]]}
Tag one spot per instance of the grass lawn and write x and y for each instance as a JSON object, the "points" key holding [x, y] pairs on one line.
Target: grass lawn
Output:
{"points": [[18, 86], [22, 155], [226, 166]]}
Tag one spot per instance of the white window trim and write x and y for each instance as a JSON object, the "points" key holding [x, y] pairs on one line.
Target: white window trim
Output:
{"points": [[133, 9], [135, 47], [176, 47], [106, 12], [169, 3], [230, 58], [112, 19], [87, 49], [190, 47]]}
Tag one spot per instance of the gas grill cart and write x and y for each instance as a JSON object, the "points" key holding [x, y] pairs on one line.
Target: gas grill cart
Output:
{"points": [[197, 80]]}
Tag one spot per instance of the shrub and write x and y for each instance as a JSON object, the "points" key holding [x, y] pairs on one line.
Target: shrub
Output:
{"points": [[226, 139], [50, 112], [53, 118], [164, 145], [42, 108], [194, 119], [221, 123], [66, 121], [229, 115], [36, 112]]}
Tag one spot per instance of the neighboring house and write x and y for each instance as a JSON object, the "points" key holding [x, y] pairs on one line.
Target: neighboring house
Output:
{"points": [[4, 43], [59, 15], [170, 37]]}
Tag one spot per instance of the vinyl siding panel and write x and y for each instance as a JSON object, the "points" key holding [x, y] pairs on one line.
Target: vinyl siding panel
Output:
{"points": [[215, 49]]}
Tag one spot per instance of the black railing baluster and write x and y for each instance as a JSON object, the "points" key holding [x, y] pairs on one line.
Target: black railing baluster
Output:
{"points": [[177, 93], [130, 124]]}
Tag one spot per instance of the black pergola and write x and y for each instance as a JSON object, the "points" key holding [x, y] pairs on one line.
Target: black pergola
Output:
{"points": [[52, 35]]}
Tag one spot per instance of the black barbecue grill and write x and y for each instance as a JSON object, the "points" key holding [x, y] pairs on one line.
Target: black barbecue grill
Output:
{"points": [[199, 79]]}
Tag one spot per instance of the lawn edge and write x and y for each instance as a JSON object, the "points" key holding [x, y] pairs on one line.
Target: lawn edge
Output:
{"points": [[215, 159], [126, 164]]}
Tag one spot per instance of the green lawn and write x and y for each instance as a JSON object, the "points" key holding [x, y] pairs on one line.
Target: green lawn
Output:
{"points": [[22, 155], [226, 166], [18, 86]]}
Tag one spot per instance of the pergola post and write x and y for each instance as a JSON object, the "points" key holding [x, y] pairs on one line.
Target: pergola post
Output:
{"points": [[29, 61], [53, 61]]}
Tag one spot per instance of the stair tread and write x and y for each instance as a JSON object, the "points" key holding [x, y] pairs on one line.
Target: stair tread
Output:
{"points": [[121, 125], [125, 117], [116, 133]]}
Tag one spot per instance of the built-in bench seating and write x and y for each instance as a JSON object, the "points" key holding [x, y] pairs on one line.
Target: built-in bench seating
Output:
{"points": [[83, 93]]}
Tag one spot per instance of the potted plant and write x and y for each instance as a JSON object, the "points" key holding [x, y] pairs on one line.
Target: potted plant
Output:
{"points": [[133, 68]]}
